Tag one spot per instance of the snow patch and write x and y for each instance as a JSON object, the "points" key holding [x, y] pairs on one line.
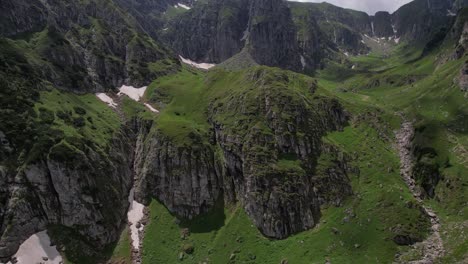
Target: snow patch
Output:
{"points": [[303, 62], [397, 40], [204, 66], [394, 29], [134, 216], [373, 29], [346, 54], [152, 109], [36, 249], [182, 6], [132, 92], [245, 35], [106, 99], [450, 13], [354, 67]]}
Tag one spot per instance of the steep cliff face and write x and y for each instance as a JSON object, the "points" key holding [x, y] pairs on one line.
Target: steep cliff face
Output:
{"points": [[211, 31], [224, 28], [150, 14], [270, 31], [65, 160], [85, 46], [262, 147], [339, 28], [382, 25], [81, 189], [185, 179], [419, 20]]}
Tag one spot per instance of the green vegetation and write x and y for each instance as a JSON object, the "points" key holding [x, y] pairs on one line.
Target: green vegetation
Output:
{"points": [[381, 211], [76, 249], [424, 92]]}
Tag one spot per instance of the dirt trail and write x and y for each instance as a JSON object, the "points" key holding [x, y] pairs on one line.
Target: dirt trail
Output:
{"points": [[432, 247]]}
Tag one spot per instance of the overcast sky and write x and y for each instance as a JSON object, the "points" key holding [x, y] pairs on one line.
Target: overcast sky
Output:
{"points": [[369, 6]]}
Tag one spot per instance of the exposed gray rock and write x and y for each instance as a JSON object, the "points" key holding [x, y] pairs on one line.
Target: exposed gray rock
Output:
{"points": [[87, 193], [241, 163], [79, 53]]}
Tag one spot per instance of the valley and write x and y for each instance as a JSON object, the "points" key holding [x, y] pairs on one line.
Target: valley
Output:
{"points": [[222, 131]]}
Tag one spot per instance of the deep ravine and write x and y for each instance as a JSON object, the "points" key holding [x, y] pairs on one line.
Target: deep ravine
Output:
{"points": [[432, 247]]}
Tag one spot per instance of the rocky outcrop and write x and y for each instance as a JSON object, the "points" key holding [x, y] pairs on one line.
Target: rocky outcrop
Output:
{"points": [[267, 160], [84, 190], [421, 19], [270, 31], [75, 51], [337, 28], [185, 179], [382, 25], [462, 79], [432, 246], [214, 31], [210, 32]]}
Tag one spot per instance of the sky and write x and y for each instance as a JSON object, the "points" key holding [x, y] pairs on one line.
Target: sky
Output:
{"points": [[369, 6]]}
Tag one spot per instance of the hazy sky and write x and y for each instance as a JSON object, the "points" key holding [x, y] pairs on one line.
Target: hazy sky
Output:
{"points": [[369, 6]]}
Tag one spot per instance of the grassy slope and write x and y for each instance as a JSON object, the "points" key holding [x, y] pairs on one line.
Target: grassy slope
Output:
{"points": [[365, 239], [382, 202], [439, 110]]}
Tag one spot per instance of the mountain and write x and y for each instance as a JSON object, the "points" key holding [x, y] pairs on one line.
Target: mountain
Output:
{"points": [[225, 28], [68, 160], [321, 135], [89, 46]]}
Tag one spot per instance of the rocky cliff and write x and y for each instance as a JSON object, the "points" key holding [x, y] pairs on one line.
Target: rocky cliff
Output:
{"points": [[61, 163], [84, 190], [382, 25], [262, 148], [223, 28], [85, 46], [212, 31], [339, 28]]}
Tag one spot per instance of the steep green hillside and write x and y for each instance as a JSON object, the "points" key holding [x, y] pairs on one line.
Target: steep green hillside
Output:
{"points": [[423, 91], [357, 229]]}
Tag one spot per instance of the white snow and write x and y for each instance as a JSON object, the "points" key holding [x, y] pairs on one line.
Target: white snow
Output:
{"points": [[373, 30], [152, 109], [450, 13], [36, 248], [346, 54], [132, 92], [106, 99], [394, 29], [134, 215], [245, 35], [183, 6], [303, 62], [397, 40], [204, 66], [354, 67]]}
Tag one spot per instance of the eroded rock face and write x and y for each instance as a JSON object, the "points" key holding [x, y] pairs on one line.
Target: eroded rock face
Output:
{"points": [[216, 30], [210, 32], [382, 25], [270, 32], [185, 179], [463, 78], [79, 53], [269, 164], [86, 192]]}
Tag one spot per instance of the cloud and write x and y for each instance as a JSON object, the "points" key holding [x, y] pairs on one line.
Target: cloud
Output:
{"points": [[369, 6]]}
